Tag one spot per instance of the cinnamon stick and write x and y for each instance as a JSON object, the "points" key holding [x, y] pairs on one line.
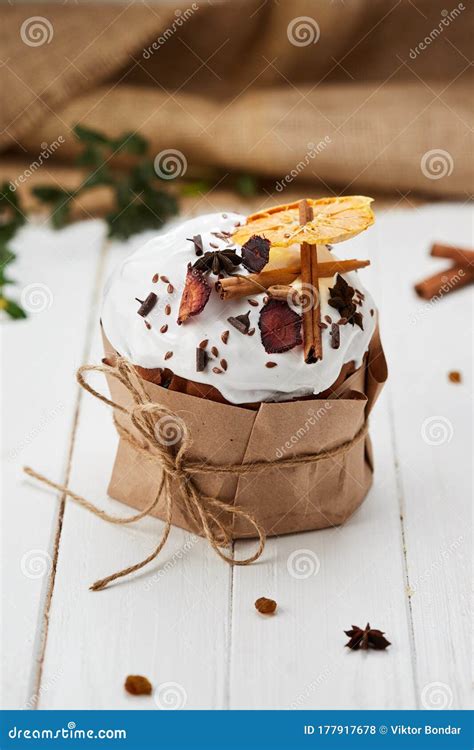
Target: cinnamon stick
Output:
{"points": [[284, 291], [312, 340], [444, 282], [234, 287], [459, 255]]}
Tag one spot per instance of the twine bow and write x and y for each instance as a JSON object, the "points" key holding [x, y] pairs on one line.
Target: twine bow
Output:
{"points": [[202, 510]]}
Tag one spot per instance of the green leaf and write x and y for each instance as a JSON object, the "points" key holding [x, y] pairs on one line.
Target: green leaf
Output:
{"points": [[198, 187], [90, 136], [131, 143], [49, 193], [246, 185], [90, 157], [60, 214], [101, 176], [12, 308]]}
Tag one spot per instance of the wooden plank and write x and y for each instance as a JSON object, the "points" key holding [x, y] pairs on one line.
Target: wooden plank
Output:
{"points": [[57, 272], [432, 428], [168, 622], [324, 582]]}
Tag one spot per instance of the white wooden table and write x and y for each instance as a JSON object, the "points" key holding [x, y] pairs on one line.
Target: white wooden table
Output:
{"points": [[188, 621]]}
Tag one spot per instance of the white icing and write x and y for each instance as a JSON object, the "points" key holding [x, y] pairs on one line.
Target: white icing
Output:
{"points": [[247, 379]]}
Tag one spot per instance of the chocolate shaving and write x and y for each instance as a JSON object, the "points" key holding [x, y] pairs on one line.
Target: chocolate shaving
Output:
{"points": [[255, 253], [341, 296], [197, 239], [270, 364], [335, 336], [147, 305], [253, 302], [203, 343], [147, 325], [156, 278], [168, 355], [165, 279], [202, 359], [167, 309], [280, 327], [225, 337], [164, 328], [217, 370], [214, 351], [170, 288], [366, 638], [241, 322], [223, 364]]}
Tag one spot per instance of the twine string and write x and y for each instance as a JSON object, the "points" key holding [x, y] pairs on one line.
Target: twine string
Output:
{"points": [[203, 510]]}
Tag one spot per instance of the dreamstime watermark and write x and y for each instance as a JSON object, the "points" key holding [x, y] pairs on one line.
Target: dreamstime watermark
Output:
{"points": [[310, 421], [313, 150], [310, 688], [448, 282], [36, 563], [46, 418], [303, 31], [437, 430], [303, 563], [36, 297], [47, 150], [170, 696], [170, 564], [447, 17], [181, 16], [170, 163], [169, 430], [45, 687], [436, 164], [437, 696], [36, 31], [445, 553]]}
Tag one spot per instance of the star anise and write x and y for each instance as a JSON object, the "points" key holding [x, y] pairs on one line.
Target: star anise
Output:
{"points": [[220, 261], [366, 638], [341, 297]]}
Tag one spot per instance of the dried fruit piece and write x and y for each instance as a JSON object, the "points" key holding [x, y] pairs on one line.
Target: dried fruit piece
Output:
{"points": [[136, 684], [225, 337], [454, 376], [265, 606], [168, 355], [335, 336], [156, 278], [256, 253], [196, 293], [366, 638], [241, 322], [334, 220], [280, 327], [270, 364]]}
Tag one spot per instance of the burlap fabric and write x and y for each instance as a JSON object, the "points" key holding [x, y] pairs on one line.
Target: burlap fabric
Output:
{"points": [[237, 86]]}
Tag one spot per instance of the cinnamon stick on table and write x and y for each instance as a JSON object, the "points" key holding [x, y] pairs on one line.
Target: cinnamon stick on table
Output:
{"points": [[312, 342], [444, 282], [459, 255]]}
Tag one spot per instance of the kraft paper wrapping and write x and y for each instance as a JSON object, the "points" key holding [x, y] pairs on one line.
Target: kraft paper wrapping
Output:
{"points": [[309, 496]]}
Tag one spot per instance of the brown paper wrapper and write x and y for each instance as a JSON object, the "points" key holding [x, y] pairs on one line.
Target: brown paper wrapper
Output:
{"points": [[283, 500]]}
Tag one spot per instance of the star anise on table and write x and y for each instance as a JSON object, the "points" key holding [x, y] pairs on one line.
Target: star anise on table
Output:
{"points": [[341, 297], [219, 261], [366, 638]]}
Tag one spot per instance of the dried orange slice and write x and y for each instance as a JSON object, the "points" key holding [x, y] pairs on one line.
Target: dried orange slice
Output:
{"points": [[335, 220]]}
